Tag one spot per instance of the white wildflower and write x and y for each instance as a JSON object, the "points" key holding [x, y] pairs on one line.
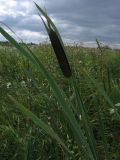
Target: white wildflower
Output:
{"points": [[112, 110], [8, 84], [43, 84], [68, 136], [49, 118], [49, 123], [80, 62], [29, 79], [23, 83], [117, 105], [80, 117]]}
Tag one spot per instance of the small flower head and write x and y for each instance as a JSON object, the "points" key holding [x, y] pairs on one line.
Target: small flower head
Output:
{"points": [[29, 79], [80, 62], [80, 117], [112, 111], [23, 83], [8, 85], [117, 105]]}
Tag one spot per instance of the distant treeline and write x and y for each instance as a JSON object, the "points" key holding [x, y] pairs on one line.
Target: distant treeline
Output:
{"points": [[6, 43]]}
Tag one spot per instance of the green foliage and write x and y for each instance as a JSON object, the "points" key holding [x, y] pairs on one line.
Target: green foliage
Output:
{"points": [[44, 115], [30, 88]]}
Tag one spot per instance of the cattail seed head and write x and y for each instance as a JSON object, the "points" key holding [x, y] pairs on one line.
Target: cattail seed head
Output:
{"points": [[60, 53]]}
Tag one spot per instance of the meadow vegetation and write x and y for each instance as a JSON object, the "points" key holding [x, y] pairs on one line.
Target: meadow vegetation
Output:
{"points": [[19, 135], [46, 115]]}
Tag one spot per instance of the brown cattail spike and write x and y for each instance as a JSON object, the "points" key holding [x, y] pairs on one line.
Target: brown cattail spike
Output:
{"points": [[60, 54]]}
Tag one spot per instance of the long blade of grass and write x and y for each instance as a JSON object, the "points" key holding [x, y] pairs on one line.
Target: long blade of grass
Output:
{"points": [[58, 93], [99, 47], [87, 126], [51, 23], [37, 121], [102, 129], [46, 27]]}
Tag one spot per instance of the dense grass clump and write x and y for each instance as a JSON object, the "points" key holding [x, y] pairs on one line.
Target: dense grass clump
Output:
{"points": [[47, 115], [18, 135]]}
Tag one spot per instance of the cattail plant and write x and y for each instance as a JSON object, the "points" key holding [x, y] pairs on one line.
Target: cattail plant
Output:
{"points": [[83, 136], [60, 54], [57, 45]]}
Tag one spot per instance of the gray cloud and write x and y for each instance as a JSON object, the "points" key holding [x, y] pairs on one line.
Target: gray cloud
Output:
{"points": [[78, 20]]}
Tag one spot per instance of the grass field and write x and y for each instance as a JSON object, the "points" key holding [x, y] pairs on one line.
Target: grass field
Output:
{"points": [[20, 138], [57, 102]]}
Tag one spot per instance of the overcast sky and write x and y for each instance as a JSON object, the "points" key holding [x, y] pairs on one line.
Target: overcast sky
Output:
{"points": [[77, 20]]}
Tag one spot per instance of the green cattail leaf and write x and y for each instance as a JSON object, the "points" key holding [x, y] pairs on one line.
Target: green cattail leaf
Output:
{"points": [[51, 23], [46, 27]]}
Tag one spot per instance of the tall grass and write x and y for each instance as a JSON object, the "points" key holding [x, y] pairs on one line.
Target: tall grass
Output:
{"points": [[80, 129]]}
